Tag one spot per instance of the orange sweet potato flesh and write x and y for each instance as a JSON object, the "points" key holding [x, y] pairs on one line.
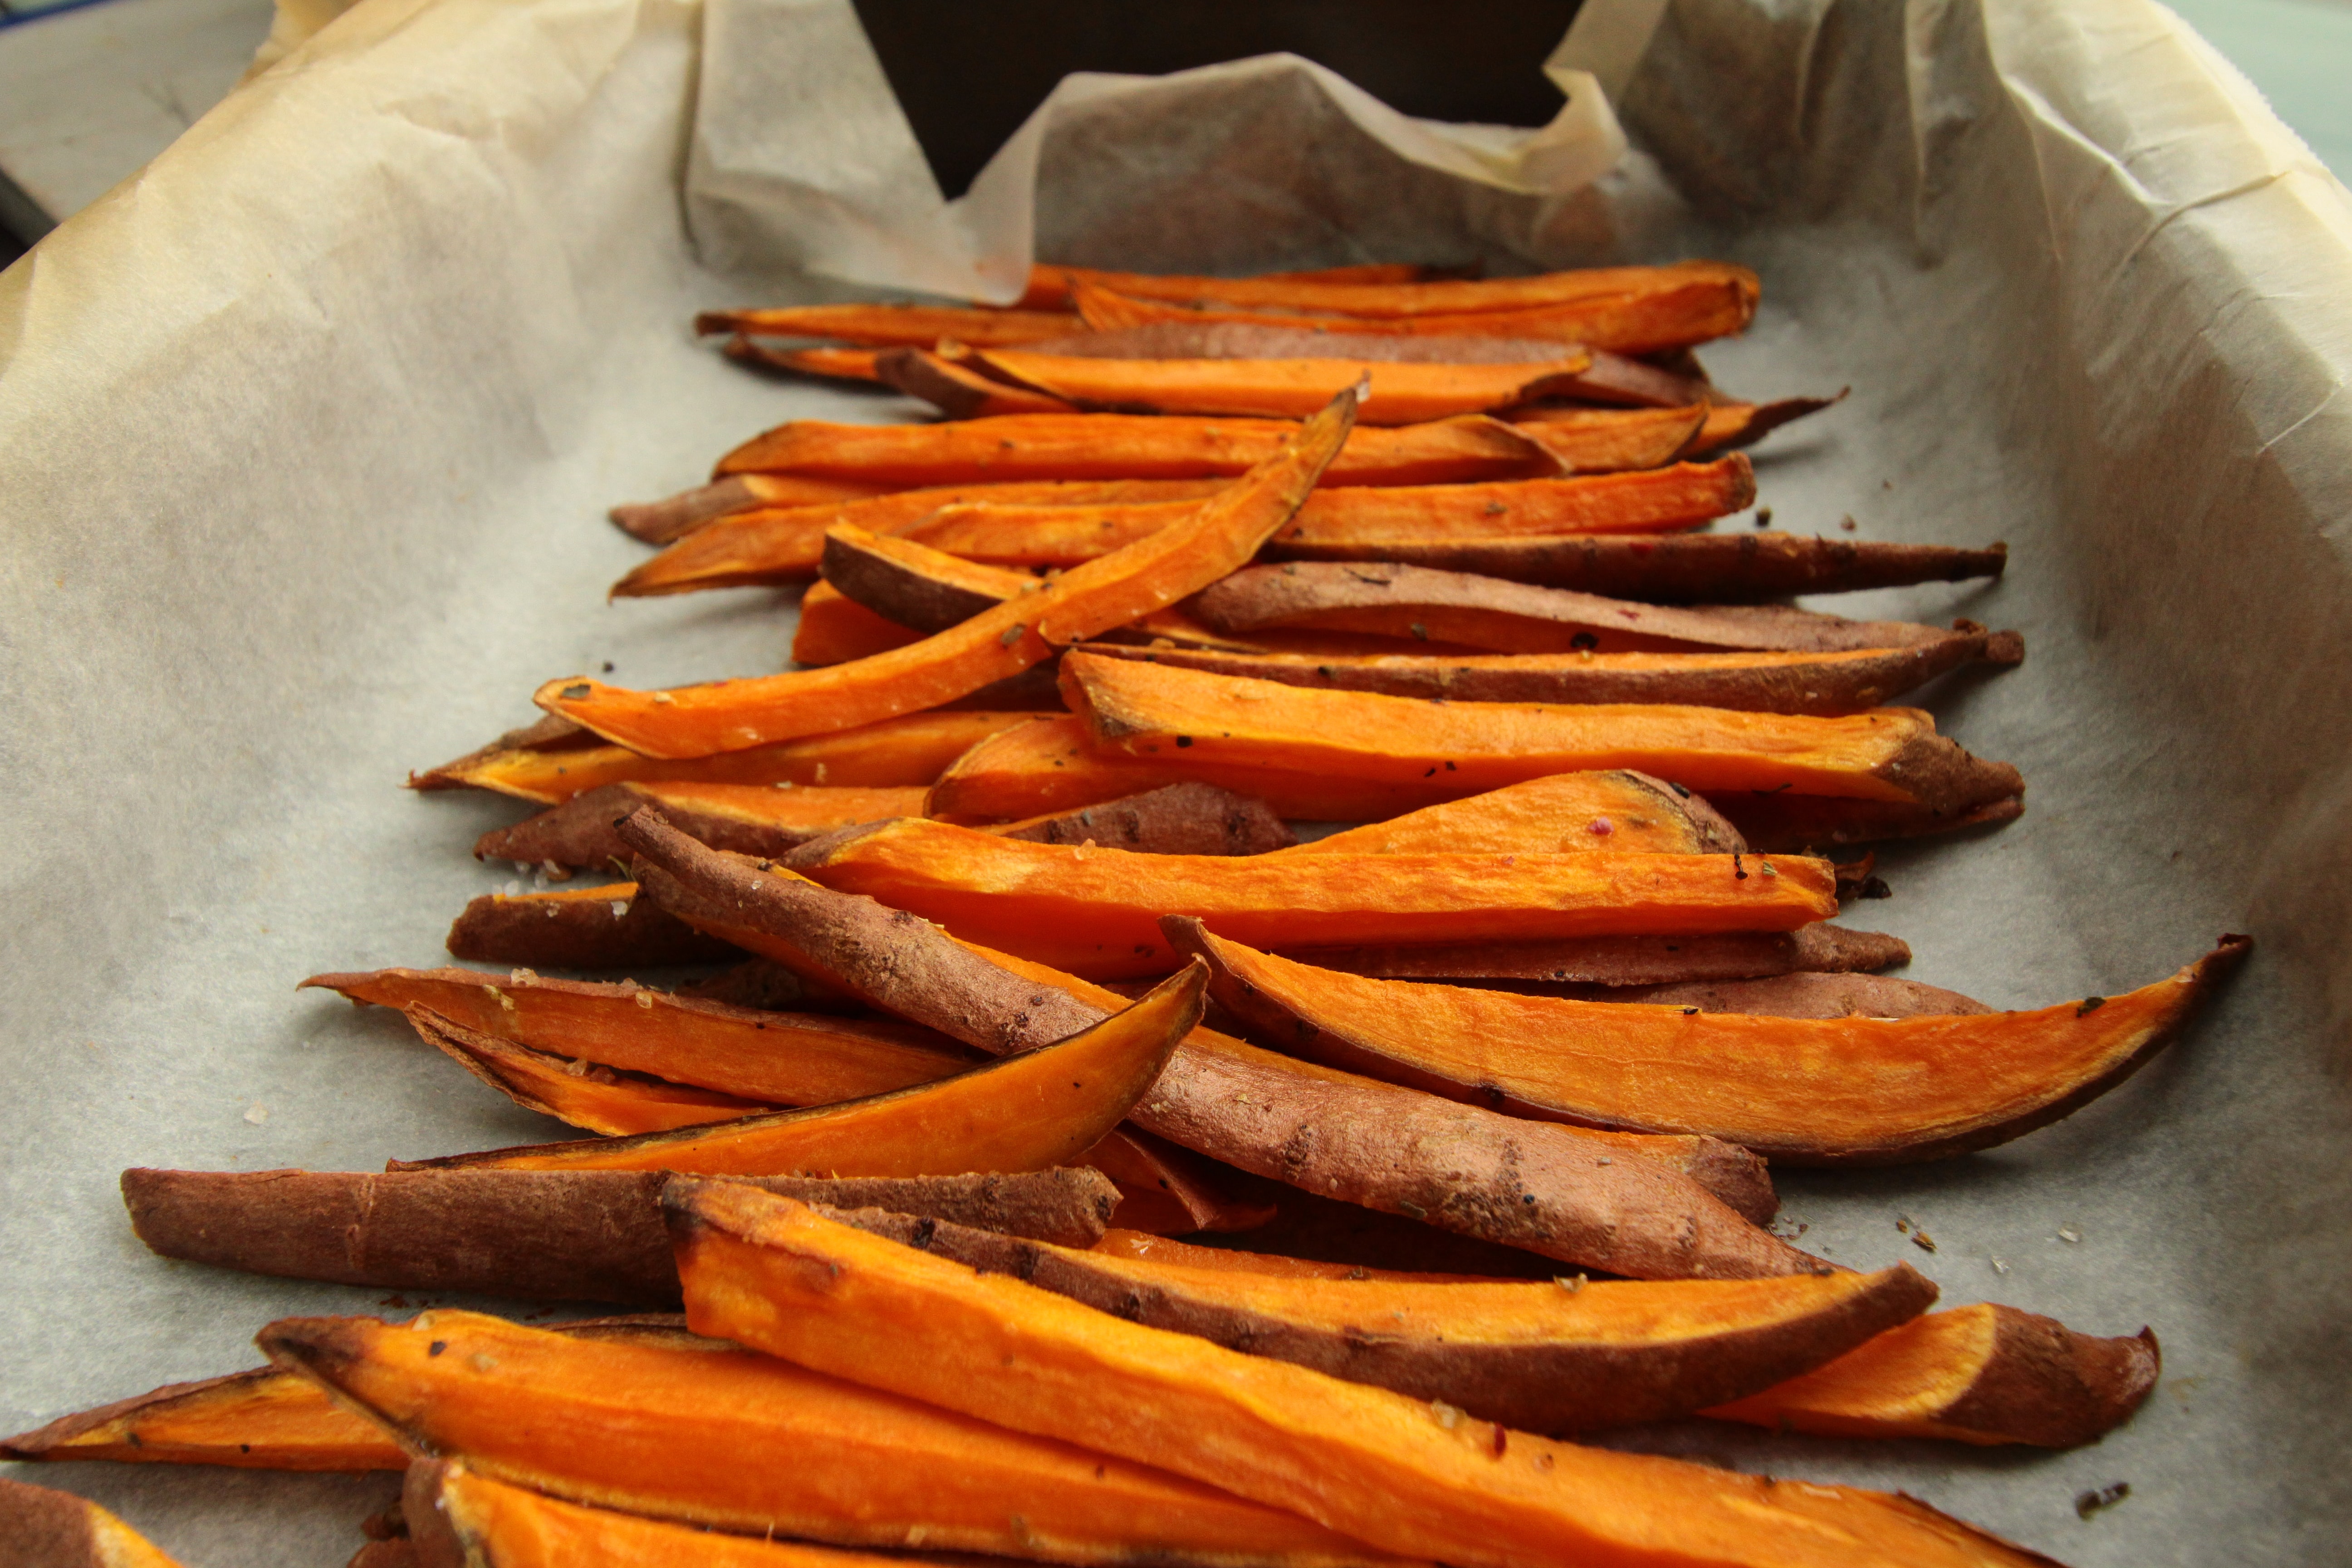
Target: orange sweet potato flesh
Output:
{"points": [[1168, 1190], [1620, 811], [781, 1058], [1617, 440], [1631, 1204], [1148, 1249], [905, 752], [835, 629], [583, 1094], [885, 326], [832, 363], [1049, 285], [751, 819], [1031, 447], [1983, 1375], [1691, 310], [1504, 616], [1282, 388], [1127, 584], [1420, 752], [1027, 1112], [1730, 425], [1822, 684], [1548, 1356], [1814, 1091], [1406, 1474], [1095, 913], [1394, 298], [264, 1419], [725, 1437], [466, 1521], [40, 1528], [1707, 568], [261, 1420], [769, 546], [959, 390]]}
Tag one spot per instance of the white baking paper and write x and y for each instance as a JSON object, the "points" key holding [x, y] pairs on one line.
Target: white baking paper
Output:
{"points": [[306, 435]]}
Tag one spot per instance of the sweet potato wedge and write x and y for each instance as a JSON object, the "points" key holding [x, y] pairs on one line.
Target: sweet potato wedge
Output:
{"points": [[1123, 586], [914, 585], [1615, 963], [467, 1520], [1041, 1107], [1555, 1356], [586, 1094], [833, 628], [1049, 285], [1695, 310], [909, 750], [1792, 823], [1181, 820], [552, 1235], [1403, 300], [1983, 1375], [263, 1419], [1130, 446], [778, 1058], [772, 546], [959, 391], [1648, 1208], [1165, 1189], [886, 326], [1416, 753], [1143, 1248], [829, 363], [1620, 811], [1733, 425], [672, 518], [1096, 913], [1838, 1090], [1825, 685], [40, 1528], [1406, 1475], [1493, 612], [1662, 568], [1274, 388], [1803, 994], [725, 1437], [752, 819], [1608, 438], [603, 926]]}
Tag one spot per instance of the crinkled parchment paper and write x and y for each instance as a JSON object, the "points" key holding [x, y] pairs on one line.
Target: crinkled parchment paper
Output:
{"points": [[306, 433]]}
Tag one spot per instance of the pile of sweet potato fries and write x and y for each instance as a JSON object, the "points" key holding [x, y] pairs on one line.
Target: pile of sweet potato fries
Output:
{"points": [[1013, 967]]}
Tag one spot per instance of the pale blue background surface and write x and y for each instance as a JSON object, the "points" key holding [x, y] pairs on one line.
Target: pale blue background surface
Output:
{"points": [[2299, 53]]}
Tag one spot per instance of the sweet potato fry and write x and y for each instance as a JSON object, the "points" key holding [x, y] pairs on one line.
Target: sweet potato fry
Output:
{"points": [[1030, 447], [1551, 1357], [885, 326], [835, 629], [725, 1437], [1181, 819], [752, 819], [1041, 1107], [1096, 914], [264, 1419], [584, 1094], [778, 1058], [1418, 753], [1692, 310], [1615, 963], [671, 518], [1621, 811], [1049, 285], [1807, 995], [1398, 300], [909, 750], [603, 926], [1813, 1091], [260, 1420], [467, 1520], [1127, 584], [830, 364], [1825, 685], [1163, 1188], [914, 585], [553, 1235], [1615, 440], [959, 391], [44, 1529], [1706, 568], [771, 546], [1143, 1248], [1789, 822], [1415, 604], [1260, 388], [1731, 425], [1406, 1474], [1656, 1209], [1981, 1375]]}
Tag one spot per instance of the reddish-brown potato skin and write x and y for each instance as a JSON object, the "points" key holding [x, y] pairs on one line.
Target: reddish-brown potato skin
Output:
{"points": [[564, 1235], [580, 932], [1177, 819], [1600, 965]]}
